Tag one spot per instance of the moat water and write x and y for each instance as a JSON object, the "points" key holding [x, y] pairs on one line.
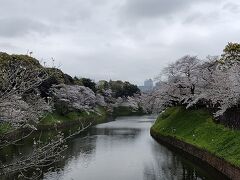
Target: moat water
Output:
{"points": [[124, 150]]}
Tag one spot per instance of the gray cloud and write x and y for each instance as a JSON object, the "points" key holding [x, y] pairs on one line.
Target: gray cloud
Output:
{"points": [[232, 7], [202, 18], [110, 39], [12, 27], [154, 8], [142, 9]]}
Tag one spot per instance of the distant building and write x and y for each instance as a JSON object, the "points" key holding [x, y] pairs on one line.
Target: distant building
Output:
{"points": [[157, 84], [148, 85]]}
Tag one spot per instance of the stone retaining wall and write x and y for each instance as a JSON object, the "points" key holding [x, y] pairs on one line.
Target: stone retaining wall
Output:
{"points": [[221, 165]]}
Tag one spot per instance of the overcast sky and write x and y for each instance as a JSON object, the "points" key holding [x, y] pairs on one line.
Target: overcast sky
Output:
{"points": [[117, 39]]}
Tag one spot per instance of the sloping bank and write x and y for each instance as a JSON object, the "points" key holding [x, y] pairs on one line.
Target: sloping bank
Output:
{"points": [[194, 132], [100, 115], [56, 120], [72, 120]]}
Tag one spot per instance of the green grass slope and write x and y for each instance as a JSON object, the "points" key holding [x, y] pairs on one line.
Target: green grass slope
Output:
{"points": [[100, 115], [126, 111], [196, 127]]}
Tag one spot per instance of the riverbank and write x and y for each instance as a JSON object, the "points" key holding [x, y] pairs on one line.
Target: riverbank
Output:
{"points": [[194, 132], [100, 115], [57, 121], [127, 111], [104, 148]]}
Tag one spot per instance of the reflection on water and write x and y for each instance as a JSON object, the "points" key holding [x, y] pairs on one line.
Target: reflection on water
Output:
{"points": [[124, 150]]}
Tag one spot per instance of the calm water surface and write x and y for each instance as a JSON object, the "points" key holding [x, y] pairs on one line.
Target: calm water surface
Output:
{"points": [[124, 150]]}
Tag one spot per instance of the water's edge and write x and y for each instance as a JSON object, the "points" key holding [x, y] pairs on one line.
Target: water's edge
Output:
{"points": [[204, 156], [14, 135], [104, 148]]}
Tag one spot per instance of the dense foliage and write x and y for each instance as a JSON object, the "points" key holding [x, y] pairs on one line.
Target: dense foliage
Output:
{"points": [[33, 96], [123, 89], [21, 104], [28, 91], [213, 82], [85, 82]]}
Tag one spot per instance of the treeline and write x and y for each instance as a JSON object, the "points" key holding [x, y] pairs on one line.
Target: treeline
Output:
{"points": [[118, 88], [31, 93], [213, 83], [29, 90]]}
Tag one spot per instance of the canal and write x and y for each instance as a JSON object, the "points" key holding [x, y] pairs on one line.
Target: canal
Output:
{"points": [[124, 150]]}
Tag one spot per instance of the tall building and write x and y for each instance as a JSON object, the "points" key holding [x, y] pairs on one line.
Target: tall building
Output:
{"points": [[148, 85]]}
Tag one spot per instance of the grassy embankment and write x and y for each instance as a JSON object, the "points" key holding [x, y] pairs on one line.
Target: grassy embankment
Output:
{"points": [[126, 111], [100, 115], [55, 118], [196, 127], [4, 128]]}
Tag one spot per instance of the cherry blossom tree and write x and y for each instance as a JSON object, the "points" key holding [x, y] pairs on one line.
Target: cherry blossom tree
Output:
{"points": [[20, 101], [178, 84], [215, 82], [73, 97], [22, 107]]}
